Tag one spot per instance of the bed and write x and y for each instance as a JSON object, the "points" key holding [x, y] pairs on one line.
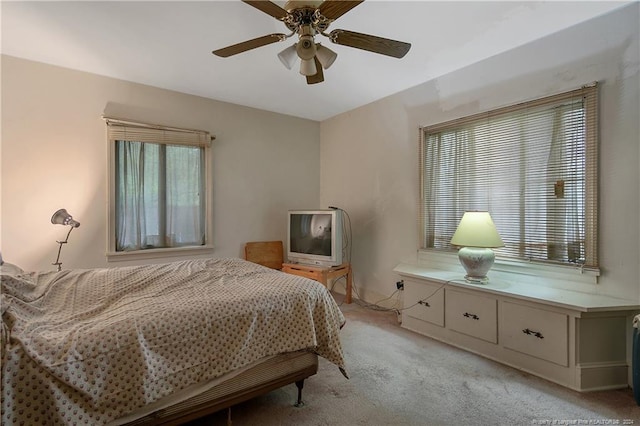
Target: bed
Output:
{"points": [[157, 344]]}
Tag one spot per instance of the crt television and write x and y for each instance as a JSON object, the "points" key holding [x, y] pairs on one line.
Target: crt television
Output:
{"points": [[314, 237]]}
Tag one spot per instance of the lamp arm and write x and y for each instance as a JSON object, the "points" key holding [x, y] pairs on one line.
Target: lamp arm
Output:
{"points": [[58, 263]]}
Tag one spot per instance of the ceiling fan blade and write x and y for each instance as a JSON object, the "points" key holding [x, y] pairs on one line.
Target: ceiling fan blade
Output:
{"points": [[268, 7], [249, 44], [375, 44], [333, 9], [318, 77]]}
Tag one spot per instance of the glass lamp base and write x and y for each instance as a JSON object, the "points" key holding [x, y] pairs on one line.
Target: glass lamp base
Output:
{"points": [[476, 280]]}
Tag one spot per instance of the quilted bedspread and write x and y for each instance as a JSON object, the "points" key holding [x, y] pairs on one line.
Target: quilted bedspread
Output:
{"points": [[88, 346]]}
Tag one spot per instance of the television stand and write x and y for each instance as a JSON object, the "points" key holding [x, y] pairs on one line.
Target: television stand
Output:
{"points": [[322, 274]]}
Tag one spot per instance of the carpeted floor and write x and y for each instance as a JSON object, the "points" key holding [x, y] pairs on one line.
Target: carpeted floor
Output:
{"points": [[401, 378]]}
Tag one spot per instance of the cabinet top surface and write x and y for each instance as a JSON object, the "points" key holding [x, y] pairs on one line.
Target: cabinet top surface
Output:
{"points": [[578, 301]]}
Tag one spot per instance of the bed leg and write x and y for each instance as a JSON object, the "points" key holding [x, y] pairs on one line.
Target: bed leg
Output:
{"points": [[299, 385]]}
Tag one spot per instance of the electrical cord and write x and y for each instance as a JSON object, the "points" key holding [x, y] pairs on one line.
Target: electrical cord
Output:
{"points": [[360, 301], [347, 250], [376, 307], [346, 237], [426, 298]]}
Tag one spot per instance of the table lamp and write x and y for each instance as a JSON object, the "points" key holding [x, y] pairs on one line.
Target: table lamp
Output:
{"points": [[476, 236]]}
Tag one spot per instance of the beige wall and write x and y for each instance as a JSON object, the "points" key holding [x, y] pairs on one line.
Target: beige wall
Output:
{"points": [[54, 155], [369, 156]]}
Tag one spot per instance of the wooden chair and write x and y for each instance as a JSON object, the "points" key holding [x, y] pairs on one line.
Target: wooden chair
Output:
{"points": [[266, 253]]}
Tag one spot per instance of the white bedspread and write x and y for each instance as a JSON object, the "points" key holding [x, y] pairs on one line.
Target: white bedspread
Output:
{"points": [[88, 346]]}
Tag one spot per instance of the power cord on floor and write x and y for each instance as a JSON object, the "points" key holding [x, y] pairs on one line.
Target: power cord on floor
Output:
{"points": [[376, 307], [360, 301], [347, 249]]}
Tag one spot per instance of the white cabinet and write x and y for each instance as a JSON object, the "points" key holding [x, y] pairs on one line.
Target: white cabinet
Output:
{"points": [[536, 332], [472, 314], [573, 339], [427, 301]]}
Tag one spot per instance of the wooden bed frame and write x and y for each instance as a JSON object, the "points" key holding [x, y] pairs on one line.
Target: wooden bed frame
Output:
{"points": [[262, 378]]}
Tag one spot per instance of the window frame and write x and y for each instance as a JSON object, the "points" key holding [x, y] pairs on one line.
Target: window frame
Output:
{"points": [[590, 95], [205, 139]]}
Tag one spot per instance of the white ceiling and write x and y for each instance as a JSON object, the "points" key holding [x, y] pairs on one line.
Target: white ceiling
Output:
{"points": [[168, 44]]}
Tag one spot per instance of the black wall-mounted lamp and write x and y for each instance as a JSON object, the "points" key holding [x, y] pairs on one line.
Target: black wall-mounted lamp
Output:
{"points": [[62, 217]]}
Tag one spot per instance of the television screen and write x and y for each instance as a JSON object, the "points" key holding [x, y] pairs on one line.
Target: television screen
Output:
{"points": [[311, 234], [315, 237]]}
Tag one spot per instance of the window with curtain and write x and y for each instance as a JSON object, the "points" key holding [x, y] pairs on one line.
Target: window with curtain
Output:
{"points": [[159, 187], [533, 166]]}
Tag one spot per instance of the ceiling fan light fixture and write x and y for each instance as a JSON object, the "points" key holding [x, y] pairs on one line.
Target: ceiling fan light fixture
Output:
{"points": [[308, 67], [288, 56], [306, 47], [325, 55]]}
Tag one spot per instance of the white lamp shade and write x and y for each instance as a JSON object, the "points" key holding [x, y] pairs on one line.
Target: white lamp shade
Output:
{"points": [[288, 56], [325, 55], [308, 67], [476, 229]]}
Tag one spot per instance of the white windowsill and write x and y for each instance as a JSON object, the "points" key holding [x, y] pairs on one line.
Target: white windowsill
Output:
{"points": [[514, 287], [122, 256], [555, 276]]}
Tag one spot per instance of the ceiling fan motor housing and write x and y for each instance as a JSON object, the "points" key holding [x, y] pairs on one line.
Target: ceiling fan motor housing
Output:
{"points": [[306, 46]]}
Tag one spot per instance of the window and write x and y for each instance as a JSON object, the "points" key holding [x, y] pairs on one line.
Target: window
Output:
{"points": [[159, 193], [533, 166]]}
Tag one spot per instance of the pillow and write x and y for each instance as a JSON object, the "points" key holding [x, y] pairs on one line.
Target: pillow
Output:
{"points": [[17, 283], [10, 269]]}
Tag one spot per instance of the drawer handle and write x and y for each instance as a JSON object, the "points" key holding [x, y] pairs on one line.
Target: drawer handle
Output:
{"points": [[426, 304], [473, 316], [533, 333]]}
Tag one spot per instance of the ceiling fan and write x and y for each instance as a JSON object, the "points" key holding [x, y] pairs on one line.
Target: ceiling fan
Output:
{"points": [[307, 18]]}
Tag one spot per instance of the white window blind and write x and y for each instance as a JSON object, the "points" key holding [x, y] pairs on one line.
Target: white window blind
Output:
{"points": [[159, 186], [533, 166], [141, 132]]}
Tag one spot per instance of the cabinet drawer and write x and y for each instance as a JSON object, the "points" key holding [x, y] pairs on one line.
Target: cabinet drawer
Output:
{"points": [[425, 301], [536, 332], [472, 314]]}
